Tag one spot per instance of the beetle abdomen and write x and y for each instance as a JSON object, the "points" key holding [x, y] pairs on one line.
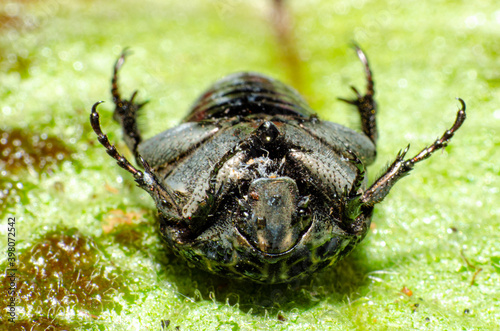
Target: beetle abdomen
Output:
{"points": [[245, 94]]}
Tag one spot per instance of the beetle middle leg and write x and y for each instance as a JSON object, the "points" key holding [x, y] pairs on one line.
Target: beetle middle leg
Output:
{"points": [[366, 104], [126, 110], [352, 197], [401, 167]]}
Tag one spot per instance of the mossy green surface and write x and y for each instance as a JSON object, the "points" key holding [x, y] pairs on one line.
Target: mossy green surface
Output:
{"points": [[55, 62]]}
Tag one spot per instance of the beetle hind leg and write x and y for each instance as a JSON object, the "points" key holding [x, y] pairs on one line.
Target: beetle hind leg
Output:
{"points": [[401, 167], [366, 104], [126, 110]]}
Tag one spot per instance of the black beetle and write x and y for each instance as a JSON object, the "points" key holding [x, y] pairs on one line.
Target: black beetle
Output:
{"points": [[253, 185]]}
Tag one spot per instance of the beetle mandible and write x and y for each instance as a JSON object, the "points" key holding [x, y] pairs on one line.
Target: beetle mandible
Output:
{"points": [[252, 184]]}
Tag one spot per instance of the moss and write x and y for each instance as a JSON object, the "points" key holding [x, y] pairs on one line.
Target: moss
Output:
{"points": [[63, 275], [24, 151], [38, 324], [35, 152]]}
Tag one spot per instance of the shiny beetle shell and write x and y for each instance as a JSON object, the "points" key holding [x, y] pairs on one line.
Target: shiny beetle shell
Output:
{"points": [[253, 185]]}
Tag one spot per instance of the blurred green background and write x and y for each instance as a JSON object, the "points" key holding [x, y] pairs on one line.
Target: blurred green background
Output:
{"points": [[88, 252]]}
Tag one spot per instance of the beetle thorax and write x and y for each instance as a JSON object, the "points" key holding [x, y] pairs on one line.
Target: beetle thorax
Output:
{"points": [[271, 213]]}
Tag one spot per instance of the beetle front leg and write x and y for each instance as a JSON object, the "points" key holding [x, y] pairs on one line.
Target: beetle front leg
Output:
{"points": [[366, 104], [146, 180], [401, 167], [126, 110]]}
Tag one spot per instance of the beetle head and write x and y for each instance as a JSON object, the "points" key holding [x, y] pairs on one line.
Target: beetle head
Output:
{"points": [[274, 216]]}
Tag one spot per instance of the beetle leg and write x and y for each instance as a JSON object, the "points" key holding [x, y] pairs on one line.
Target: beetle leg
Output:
{"points": [[367, 106], [351, 197], [126, 110], [360, 174], [401, 167], [146, 180]]}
